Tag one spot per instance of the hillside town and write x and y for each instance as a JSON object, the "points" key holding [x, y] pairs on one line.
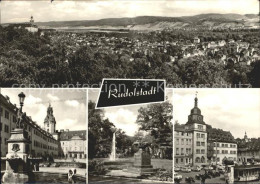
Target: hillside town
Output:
{"points": [[86, 56]]}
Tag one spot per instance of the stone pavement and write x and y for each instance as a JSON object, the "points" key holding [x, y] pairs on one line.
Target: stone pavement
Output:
{"points": [[80, 171]]}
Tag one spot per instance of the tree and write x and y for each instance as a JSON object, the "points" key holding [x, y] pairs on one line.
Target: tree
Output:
{"points": [[156, 119]]}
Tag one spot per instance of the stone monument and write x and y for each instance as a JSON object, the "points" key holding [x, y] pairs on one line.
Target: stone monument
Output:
{"points": [[142, 162], [18, 168]]}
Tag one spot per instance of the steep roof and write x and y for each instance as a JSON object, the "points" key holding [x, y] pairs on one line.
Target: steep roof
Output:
{"points": [[68, 135], [220, 135]]}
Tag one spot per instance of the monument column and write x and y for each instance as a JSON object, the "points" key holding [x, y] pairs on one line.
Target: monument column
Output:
{"points": [[18, 168]]}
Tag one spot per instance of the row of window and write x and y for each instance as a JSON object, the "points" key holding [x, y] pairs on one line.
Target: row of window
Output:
{"points": [[182, 133], [188, 141], [44, 146], [188, 151], [201, 135], [39, 134], [225, 145], [224, 152], [187, 160], [6, 128], [7, 115], [200, 151], [198, 143]]}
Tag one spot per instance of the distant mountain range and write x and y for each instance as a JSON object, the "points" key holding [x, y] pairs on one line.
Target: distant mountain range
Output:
{"points": [[161, 23]]}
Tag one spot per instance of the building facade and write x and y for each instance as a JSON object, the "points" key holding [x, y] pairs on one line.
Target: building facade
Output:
{"points": [[196, 143], [7, 121], [42, 143], [248, 150], [73, 144], [221, 145], [182, 146]]}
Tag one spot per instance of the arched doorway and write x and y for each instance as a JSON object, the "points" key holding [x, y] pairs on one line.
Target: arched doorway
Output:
{"points": [[197, 160]]}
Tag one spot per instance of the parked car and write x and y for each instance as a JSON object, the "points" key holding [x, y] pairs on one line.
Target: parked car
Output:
{"points": [[177, 168], [186, 169], [177, 176], [55, 165], [46, 164], [196, 168]]}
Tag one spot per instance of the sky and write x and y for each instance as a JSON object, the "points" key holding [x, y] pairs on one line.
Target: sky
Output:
{"points": [[44, 11], [234, 110], [69, 105], [123, 117]]}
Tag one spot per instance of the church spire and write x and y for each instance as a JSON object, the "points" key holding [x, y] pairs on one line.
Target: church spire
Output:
{"points": [[196, 100]]}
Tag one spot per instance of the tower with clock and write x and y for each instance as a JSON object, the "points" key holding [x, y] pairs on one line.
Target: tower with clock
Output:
{"points": [[49, 121], [197, 127]]}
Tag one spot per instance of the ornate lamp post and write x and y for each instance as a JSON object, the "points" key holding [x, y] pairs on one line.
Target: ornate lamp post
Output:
{"points": [[20, 115], [21, 99]]}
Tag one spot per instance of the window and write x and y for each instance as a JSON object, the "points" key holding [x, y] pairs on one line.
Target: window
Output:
{"points": [[198, 135], [5, 141], [198, 143], [182, 151], [14, 119], [223, 152], [202, 135], [177, 141], [6, 128], [176, 160], [1, 111], [181, 159], [177, 151], [0, 126], [200, 127], [6, 114], [223, 145], [197, 151], [202, 143], [187, 141], [182, 141], [202, 151]]}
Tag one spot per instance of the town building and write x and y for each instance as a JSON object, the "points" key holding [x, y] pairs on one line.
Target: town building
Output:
{"points": [[46, 141], [42, 142], [182, 145], [31, 27], [73, 144], [221, 145], [197, 143], [248, 149]]}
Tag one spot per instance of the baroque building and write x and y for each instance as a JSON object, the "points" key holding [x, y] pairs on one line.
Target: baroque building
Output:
{"points": [[197, 143], [46, 141], [42, 142]]}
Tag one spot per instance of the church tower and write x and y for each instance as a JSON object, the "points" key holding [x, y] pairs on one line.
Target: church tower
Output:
{"points": [[49, 121], [245, 137], [197, 127], [31, 20]]}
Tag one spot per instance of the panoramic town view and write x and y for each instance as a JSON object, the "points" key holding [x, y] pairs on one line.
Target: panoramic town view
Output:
{"points": [[130, 144], [213, 139], [43, 138], [190, 44]]}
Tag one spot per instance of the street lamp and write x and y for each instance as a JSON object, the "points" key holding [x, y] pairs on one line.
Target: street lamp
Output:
{"points": [[21, 99]]}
